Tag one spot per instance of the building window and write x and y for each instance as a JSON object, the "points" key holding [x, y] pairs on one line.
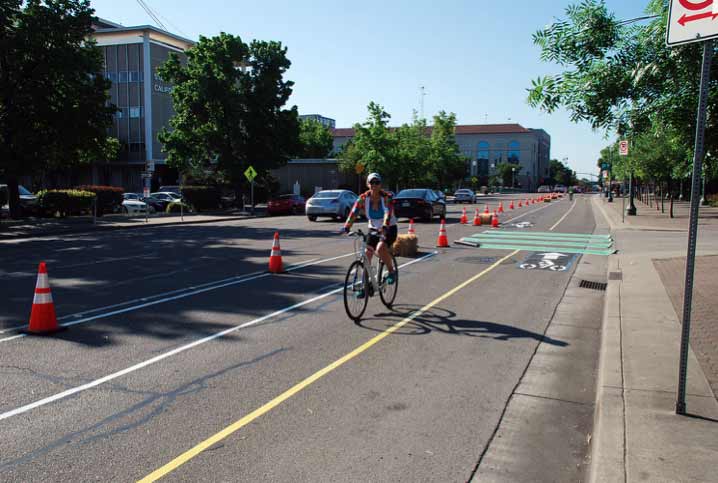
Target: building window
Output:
{"points": [[514, 152], [135, 76], [482, 156], [136, 112], [137, 147], [124, 75]]}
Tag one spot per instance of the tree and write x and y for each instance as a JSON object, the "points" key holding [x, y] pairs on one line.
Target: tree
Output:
{"points": [[229, 99], [559, 173], [414, 153], [447, 163], [621, 77], [506, 173], [54, 108], [374, 147], [315, 139]]}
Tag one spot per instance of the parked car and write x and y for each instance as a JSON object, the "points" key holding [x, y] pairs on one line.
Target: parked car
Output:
{"points": [[464, 196], [332, 203], [29, 204], [544, 189], [440, 194], [135, 207], [419, 203], [170, 189], [167, 196], [286, 204], [559, 188], [157, 204]]}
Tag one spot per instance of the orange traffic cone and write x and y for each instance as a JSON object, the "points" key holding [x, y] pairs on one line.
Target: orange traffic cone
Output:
{"points": [[442, 241], [464, 219], [501, 206], [42, 318], [486, 210], [477, 218], [411, 227], [511, 205], [275, 257], [495, 221]]}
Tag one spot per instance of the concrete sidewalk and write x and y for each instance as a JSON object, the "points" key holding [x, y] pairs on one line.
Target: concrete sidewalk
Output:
{"points": [[637, 435], [27, 229]]}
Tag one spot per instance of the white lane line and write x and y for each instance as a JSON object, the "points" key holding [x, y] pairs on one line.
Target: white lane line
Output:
{"points": [[141, 365], [564, 216], [187, 292]]}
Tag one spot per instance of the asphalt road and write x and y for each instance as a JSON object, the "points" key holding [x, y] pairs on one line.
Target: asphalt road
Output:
{"points": [[300, 391]]}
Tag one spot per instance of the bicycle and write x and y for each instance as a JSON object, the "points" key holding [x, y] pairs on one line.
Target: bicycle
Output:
{"points": [[362, 283]]}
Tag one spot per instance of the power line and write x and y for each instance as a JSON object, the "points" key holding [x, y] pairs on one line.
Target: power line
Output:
{"points": [[152, 15]]}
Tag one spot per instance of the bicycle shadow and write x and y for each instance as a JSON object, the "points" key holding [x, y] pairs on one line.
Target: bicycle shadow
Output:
{"points": [[444, 321]]}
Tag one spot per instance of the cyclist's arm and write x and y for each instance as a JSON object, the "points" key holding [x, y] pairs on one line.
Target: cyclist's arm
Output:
{"points": [[388, 210], [358, 205]]}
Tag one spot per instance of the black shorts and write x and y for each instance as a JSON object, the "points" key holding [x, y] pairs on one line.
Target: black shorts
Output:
{"points": [[390, 233]]}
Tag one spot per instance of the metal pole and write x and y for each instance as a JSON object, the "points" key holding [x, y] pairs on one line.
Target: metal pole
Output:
{"points": [[623, 201], [252, 198], [704, 200], [631, 210], [693, 227], [610, 180]]}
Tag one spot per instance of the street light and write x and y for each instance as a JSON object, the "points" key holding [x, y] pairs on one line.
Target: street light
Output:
{"points": [[513, 174]]}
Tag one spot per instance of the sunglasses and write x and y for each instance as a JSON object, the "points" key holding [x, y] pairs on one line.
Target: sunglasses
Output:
{"points": [[374, 181]]}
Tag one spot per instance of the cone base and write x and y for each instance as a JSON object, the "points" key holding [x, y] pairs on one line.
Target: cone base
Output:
{"points": [[42, 333]]}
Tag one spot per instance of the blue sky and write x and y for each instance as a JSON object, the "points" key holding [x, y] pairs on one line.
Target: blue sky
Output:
{"points": [[475, 58]]}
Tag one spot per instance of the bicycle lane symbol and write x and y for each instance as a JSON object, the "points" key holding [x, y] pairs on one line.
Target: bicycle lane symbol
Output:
{"points": [[553, 261]]}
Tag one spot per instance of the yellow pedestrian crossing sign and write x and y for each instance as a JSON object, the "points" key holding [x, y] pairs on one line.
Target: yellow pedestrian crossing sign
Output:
{"points": [[250, 173]]}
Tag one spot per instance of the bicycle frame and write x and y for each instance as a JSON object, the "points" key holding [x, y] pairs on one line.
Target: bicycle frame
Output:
{"points": [[361, 255]]}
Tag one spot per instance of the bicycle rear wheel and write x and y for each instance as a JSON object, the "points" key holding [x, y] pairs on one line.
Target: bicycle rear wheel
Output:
{"points": [[387, 293], [356, 290]]}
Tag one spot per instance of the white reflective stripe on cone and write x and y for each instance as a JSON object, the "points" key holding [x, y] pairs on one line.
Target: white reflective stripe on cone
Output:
{"points": [[42, 281], [42, 298]]}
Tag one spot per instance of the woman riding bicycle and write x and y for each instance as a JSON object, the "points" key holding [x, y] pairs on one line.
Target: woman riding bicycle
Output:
{"points": [[378, 206]]}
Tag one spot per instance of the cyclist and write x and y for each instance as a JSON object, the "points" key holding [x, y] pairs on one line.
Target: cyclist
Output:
{"points": [[378, 206]]}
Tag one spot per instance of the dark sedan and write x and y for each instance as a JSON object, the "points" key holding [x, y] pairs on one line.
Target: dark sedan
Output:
{"points": [[419, 203]]}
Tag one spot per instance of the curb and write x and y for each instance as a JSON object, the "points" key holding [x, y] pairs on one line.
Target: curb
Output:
{"points": [[608, 443], [97, 228]]}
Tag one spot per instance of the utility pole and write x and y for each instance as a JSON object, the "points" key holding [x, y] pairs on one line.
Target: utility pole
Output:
{"points": [[422, 94]]}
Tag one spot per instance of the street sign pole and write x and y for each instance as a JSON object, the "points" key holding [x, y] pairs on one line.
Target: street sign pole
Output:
{"points": [[252, 197], [693, 227]]}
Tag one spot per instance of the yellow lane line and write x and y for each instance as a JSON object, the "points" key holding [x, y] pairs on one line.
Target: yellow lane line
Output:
{"points": [[236, 426]]}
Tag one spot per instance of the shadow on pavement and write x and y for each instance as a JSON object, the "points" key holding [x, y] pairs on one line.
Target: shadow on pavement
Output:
{"points": [[443, 321]]}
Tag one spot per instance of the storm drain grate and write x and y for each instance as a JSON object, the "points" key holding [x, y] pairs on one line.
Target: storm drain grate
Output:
{"points": [[593, 285]]}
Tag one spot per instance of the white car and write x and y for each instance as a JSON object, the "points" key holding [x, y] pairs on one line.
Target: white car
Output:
{"points": [[464, 196], [333, 203], [131, 205]]}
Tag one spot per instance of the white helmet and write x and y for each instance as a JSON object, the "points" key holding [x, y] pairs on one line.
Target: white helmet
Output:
{"points": [[372, 177]]}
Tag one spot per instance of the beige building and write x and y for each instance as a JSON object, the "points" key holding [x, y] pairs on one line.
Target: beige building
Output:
{"points": [[488, 145]]}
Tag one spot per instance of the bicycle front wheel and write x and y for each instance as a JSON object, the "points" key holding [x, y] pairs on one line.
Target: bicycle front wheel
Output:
{"points": [[387, 293], [356, 290]]}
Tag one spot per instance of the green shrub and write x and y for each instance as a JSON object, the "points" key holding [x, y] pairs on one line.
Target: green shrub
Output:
{"points": [[108, 197], [176, 207], [65, 202], [202, 197]]}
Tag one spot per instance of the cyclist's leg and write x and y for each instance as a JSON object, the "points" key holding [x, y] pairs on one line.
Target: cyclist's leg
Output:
{"points": [[383, 251]]}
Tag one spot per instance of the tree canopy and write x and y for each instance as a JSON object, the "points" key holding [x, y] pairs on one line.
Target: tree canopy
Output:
{"points": [[229, 98], [54, 108], [620, 76], [315, 139], [407, 155]]}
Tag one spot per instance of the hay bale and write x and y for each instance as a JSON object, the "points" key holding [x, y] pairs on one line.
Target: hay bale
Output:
{"points": [[486, 218], [406, 246]]}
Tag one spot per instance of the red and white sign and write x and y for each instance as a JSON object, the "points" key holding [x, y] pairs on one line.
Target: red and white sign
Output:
{"points": [[692, 21], [623, 148], [146, 191]]}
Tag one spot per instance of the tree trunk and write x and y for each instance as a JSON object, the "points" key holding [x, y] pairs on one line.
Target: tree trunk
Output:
{"points": [[13, 197], [663, 198], [670, 206]]}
